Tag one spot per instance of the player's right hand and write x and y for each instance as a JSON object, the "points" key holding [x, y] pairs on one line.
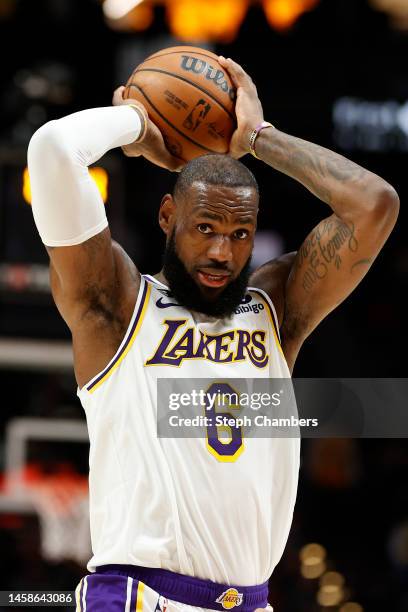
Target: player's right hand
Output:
{"points": [[248, 107], [152, 146]]}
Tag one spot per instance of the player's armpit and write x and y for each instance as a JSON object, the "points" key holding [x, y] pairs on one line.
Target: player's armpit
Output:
{"points": [[272, 278], [329, 265], [88, 280]]}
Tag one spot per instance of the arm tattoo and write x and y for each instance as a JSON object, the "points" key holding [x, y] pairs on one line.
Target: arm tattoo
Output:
{"points": [[321, 250], [323, 172]]}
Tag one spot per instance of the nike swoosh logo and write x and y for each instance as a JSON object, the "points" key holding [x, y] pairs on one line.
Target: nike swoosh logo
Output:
{"points": [[161, 304]]}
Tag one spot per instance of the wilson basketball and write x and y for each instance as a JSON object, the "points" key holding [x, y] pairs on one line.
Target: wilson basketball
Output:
{"points": [[190, 97]]}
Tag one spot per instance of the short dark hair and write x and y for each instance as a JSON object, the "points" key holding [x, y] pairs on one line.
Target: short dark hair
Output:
{"points": [[214, 169]]}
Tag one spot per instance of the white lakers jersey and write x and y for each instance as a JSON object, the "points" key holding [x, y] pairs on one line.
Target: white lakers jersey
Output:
{"points": [[174, 503]]}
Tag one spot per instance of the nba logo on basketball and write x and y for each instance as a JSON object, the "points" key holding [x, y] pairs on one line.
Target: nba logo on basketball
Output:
{"points": [[197, 115], [229, 599]]}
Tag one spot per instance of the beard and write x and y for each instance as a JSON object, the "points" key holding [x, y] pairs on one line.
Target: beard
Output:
{"points": [[185, 290]]}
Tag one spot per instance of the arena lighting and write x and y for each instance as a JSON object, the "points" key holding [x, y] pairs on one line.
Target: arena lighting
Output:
{"points": [[331, 589], [282, 14], [202, 20], [101, 178], [139, 18], [312, 553], [332, 579], [99, 175], [313, 571], [116, 9], [312, 557], [351, 606], [329, 598], [26, 186], [397, 9], [195, 20]]}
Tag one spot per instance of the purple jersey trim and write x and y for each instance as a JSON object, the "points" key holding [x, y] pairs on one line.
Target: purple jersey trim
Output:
{"points": [[265, 297], [133, 598], [192, 591], [106, 593]]}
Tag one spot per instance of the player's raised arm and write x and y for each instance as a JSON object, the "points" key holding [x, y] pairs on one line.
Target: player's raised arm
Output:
{"points": [[89, 275], [339, 251]]}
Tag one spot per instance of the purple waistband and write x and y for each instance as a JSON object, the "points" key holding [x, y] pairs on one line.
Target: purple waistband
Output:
{"points": [[194, 591]]}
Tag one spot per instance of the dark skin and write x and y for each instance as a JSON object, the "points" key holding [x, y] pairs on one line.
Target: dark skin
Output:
{"points": [[95, 284], [214, 231]]}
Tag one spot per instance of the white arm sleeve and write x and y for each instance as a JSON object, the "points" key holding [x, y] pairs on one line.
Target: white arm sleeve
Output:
{"points": [[67, 206]]}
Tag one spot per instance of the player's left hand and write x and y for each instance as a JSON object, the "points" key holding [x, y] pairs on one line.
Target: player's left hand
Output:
{"points": [[152, 147], [248, 107]]}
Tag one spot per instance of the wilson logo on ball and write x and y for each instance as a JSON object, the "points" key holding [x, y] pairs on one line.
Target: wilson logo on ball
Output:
{"points": [[190, 97], [199, 66]]}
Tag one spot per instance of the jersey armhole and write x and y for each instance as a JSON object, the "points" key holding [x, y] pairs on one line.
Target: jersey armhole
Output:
{"points": [[272, 311], [153, 280], [139, 312]]}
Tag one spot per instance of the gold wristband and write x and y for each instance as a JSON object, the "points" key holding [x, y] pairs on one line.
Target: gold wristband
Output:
{"points": [[143, 121], [255, 134]]}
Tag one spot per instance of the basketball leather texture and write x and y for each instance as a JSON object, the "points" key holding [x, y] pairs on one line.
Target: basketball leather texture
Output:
{"points": [[190, 97]]}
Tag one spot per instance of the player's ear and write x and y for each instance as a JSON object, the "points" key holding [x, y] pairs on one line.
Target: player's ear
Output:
{"points": [[167, 213]]}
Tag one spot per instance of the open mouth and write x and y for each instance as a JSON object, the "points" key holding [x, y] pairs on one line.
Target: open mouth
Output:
{"points": [[214, 279]]}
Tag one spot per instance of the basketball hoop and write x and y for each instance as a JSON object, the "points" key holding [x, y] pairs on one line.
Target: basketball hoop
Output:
{"points": [[63, 508], [61, 502]]}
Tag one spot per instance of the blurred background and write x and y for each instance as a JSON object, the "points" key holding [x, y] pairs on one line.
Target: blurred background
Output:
{"points": [[331, 71]]}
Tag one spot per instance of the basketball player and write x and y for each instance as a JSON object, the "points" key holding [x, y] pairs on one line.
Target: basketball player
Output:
{"points": [[177, 524]]}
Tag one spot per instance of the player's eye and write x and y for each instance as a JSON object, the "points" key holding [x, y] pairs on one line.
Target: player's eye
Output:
{"points": [[241, 234], [204, 228]]}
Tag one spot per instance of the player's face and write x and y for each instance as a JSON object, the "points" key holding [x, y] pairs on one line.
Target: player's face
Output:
{"points": [[212, 236]]}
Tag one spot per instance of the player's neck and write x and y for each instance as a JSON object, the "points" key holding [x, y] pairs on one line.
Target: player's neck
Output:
{"points": [[161, 278]]}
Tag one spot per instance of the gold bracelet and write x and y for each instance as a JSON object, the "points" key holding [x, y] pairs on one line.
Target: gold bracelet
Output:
{"points": [[255, 134]]}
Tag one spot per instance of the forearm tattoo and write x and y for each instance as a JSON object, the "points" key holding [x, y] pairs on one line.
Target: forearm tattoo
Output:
{"points": [[322, 171], [322, 250]]}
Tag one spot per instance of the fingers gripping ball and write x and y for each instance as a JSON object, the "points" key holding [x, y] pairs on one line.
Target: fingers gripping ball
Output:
{"points": [[190, 97]]}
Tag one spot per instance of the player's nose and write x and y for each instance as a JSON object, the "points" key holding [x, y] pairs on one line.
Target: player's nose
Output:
{"points": [[220, 249]]}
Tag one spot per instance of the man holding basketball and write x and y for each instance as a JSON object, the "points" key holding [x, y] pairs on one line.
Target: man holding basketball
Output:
{"points": [[182, 523]]}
